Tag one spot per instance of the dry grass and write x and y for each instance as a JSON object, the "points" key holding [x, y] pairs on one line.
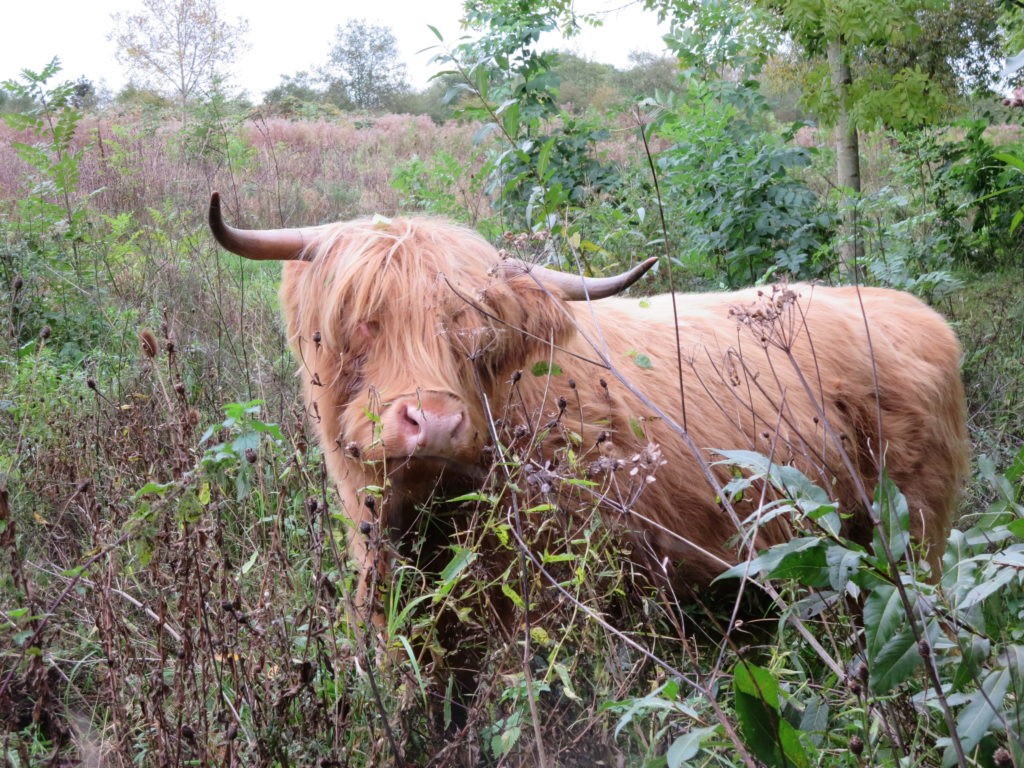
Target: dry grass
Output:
{"points": [[277, 172]]}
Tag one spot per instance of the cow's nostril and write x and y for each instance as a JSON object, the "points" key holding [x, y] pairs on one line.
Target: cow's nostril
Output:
{"points": [[413, 417]]}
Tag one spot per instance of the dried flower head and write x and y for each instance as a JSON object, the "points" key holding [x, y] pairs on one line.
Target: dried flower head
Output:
{"points": [[148, 343]]}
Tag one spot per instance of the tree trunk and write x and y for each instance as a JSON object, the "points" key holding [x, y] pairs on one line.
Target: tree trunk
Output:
{"points": [[847, 161]]}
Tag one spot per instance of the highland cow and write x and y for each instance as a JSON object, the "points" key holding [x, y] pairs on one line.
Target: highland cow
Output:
{"points": [[424, 354]]}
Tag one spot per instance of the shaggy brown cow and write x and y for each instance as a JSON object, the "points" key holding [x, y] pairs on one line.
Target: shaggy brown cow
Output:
{"points": [[416, 343]]}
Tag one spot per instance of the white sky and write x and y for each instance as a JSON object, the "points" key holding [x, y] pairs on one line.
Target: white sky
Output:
{"points": [[286, 36]]}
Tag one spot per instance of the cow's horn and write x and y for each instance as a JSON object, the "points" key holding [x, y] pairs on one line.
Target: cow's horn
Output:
{"points": [[262, 244], [578, 288]]}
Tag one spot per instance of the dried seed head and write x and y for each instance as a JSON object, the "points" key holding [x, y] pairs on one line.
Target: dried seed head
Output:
{"points": [[316, 337], [312, 504], [365, 528], [91, 384], [179, 387], [148, 342], [370, 503], [856, 745], [572, 383], [1001, 758], [16, 284], [516, 376], [44, 332], [251, 455]]}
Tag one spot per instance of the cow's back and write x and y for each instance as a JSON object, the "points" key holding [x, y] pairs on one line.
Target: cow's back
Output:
{"points": [[793, 376]]}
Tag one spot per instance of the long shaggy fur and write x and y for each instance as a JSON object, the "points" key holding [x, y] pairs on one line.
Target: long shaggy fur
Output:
{"points": [[835, 381]]}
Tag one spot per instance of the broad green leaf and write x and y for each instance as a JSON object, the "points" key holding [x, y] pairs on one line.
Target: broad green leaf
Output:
{"points": [[992, 584], [796, 558], [158, 489], [461, 560], [512, 595], [893, 655], [687, 746], [842, 565], [772, 739], [890, 507], [973, 722]]}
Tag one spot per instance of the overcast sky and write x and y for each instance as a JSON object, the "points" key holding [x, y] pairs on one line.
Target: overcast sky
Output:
{"points": [[286, 36]]}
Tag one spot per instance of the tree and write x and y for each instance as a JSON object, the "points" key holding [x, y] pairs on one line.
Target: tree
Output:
{"points": [[294, 91], [849, 85], [650, 73], [363, 68], [180, 47]]}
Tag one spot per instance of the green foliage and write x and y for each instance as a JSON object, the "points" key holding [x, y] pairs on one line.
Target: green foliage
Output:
{"points": [[52, 118], [758, 706], [546, 165], [913, 636], [734, 196], [976, 195], [443, 185]]}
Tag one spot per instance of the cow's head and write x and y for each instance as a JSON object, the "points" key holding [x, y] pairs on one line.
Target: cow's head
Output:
{"points": [[403, 327]]}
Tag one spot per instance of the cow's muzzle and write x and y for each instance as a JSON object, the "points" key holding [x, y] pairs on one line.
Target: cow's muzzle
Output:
{"points": [[427, 424]]}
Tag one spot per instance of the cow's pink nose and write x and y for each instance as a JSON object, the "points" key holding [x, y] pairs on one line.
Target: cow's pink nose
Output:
{"points": [[428, 431]]}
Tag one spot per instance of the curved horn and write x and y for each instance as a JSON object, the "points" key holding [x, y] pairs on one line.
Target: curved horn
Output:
{"points": [[579, 288], [262, 244]]}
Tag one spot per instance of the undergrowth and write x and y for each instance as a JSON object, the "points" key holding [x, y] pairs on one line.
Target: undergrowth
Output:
{"points": [[173, 584]]}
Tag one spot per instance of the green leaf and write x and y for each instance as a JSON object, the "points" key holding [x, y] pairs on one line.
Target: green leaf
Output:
{"points": [[248, 564], [158, 489], [643, 361], [544, 156], [890, 507], [1011, 160], [972, 724], [842, 563], [687, 746], [543, 368], [512, 595], [893, 656], [461, 560], [797, 558], [771, 738]]}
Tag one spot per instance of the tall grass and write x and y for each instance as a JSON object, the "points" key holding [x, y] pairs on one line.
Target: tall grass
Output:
{"points": [[173, 588]]}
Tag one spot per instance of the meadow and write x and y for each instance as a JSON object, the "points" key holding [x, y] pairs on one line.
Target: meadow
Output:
{"points": [[173, 580]]}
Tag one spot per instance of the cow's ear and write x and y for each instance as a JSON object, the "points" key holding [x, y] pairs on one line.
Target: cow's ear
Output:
{"points": [[529, 310]]}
